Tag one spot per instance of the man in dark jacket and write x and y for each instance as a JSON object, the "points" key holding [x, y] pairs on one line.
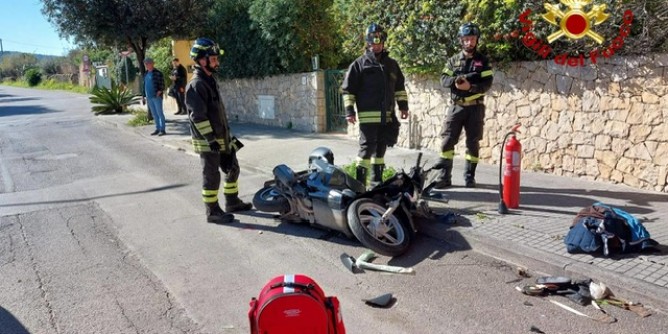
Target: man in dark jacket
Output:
{"points": [[468, 75], [373, 83], [211, 136], [154, 86], [179, 77]]}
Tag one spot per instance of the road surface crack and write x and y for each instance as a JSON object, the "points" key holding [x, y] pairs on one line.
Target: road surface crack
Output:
{"points": [[41, 286]]}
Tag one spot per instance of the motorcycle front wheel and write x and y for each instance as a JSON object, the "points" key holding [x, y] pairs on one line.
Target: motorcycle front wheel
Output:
{"points": [[390, 238], [270, 199]]}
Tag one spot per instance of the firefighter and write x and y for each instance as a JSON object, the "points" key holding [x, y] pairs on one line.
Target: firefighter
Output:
{"points": [[468, 75], [373, 83], [211, 136]]}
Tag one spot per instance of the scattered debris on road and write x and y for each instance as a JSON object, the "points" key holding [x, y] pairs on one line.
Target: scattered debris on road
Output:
{"points": [[362, 262]]}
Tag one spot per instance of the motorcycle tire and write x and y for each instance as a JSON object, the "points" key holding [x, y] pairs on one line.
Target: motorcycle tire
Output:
{"points": [[269, 199], [391, 238]]}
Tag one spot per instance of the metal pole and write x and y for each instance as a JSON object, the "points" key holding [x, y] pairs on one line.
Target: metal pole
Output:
{"points": [[127, 80], [410, 131]]}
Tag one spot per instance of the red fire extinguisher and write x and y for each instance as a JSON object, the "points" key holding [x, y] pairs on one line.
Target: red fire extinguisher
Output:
{"points": [[511, 161]]}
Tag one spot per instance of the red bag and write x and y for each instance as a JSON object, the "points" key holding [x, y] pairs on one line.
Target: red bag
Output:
{"points": [[294, 304]]}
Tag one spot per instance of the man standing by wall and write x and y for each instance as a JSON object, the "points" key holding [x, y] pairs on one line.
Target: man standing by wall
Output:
{"points": [[154, 85], [211, 135], [179, 77], [468, 75], [373, 82]]}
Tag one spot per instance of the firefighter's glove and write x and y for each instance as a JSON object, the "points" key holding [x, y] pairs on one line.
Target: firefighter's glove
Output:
{"points": [[215, 146], [462, 84], [227, 161]]}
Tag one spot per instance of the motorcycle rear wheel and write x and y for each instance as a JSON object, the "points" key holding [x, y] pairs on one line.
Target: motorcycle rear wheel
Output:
{"points": [[269, 199], [391, 238]]}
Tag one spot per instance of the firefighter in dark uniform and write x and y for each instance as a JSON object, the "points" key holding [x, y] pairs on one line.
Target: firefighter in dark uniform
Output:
{"points": [[211, 136], [468, 75], [373, 83]]}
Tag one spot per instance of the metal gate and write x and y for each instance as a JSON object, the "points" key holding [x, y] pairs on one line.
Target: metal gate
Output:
{"points": [[336, 113]]}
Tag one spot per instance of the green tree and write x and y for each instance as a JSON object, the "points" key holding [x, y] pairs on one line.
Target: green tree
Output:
{"points": [[420, 33], [124, 23], [51, 66], [15, 64], [246, 54], [297, 29], [119, 68], [161, 52]]}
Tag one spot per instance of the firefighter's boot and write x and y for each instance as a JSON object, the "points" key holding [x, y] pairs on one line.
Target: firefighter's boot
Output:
{"points": [[377, 174], [361, 174], [445, 176], [469, 174], [216, 215], [234, 204]]}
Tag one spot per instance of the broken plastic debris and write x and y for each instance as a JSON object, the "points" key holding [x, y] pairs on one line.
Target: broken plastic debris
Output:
{"points": [[368, 255]]}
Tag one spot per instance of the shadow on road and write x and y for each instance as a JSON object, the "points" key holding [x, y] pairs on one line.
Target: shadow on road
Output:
{"points": [[9, 324], [302, 230], [168, 187], [24, 110], [560, 200], [180, 127], [17, 99], [433, 240]]}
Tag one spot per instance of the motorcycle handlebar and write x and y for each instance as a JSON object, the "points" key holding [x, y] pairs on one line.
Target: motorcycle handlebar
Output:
{"points": [[417, 165]]}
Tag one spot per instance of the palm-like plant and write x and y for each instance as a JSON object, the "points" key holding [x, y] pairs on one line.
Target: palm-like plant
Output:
{"points": [[114, 100]]}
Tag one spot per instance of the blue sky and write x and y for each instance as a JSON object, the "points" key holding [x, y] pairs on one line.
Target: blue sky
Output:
{"points": [[23, 28]]}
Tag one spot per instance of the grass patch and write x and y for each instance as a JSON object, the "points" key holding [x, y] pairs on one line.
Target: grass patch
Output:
{"points": [[140, 117], [49, 85], [481, 216], [351, 169]]}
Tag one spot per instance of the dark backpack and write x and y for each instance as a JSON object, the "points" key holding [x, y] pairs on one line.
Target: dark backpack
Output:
{"points": [[608, 230], [294, 304]]}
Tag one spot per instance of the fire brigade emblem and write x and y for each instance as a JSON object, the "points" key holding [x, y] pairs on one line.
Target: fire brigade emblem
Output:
{"points": [[575, 23]]}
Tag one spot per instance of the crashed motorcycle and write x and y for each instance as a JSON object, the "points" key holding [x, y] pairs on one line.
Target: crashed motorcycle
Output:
{"points": [[325, 196]]}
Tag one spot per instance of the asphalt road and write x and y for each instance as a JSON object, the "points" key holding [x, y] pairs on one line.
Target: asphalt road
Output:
{"points": [[103, 231]]}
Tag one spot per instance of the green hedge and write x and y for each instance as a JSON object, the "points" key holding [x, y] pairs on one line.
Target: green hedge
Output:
{"points": [[267, 37]]}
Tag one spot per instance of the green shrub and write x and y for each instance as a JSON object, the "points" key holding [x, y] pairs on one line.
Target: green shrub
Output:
{"points": [[351, 169], [33, 77], [114, 100], [140, 118]]}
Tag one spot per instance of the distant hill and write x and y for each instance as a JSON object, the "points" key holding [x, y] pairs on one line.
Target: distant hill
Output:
{"points": [[39, 57]]}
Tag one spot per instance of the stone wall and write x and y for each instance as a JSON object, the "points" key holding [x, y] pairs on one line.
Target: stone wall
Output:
{"points": [[607, 122], [294, 101], [604, 122]]}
